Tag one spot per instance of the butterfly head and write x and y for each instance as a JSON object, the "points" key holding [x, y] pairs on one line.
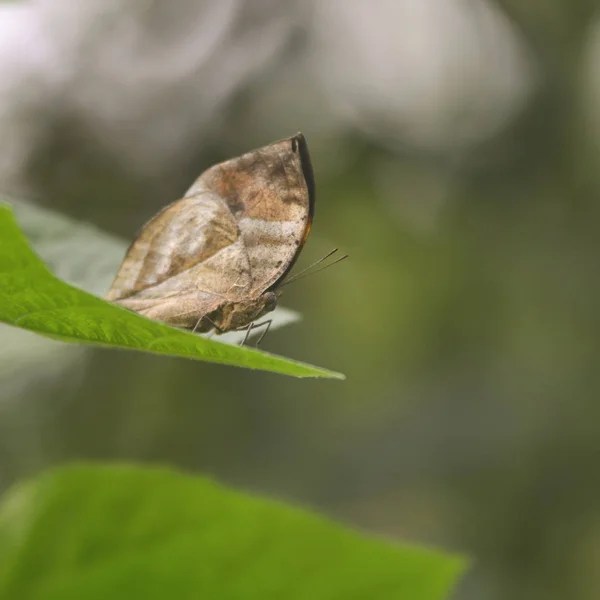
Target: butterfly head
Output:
{"points": [[264, 304], [270, 299]]}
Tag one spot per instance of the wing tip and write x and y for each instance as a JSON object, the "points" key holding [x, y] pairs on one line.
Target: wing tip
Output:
{"points": [[299, 145]]}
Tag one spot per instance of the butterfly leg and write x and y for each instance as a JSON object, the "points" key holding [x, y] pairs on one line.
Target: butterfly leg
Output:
{"points": [[215, 326], [268, 326], [248, 330], [253, 326]]}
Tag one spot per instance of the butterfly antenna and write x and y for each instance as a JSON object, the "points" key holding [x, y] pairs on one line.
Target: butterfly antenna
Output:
{"points": [[305, 273], [313, 265]]}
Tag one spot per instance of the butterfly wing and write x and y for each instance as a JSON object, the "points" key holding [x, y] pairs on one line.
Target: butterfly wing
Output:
{"points": [[271, 195], [197, 231], [185, 262], [236, 233], [181, 309]]}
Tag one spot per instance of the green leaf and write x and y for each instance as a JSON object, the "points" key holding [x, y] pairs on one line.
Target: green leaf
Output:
{"points": [[84, 533], [33, 298]]}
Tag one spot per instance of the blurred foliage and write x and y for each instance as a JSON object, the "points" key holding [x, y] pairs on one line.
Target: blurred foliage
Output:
{"points": [[121, 532]]}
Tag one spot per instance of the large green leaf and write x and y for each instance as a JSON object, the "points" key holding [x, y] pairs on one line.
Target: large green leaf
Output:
{"points": [[33, 298], [83, 532]]}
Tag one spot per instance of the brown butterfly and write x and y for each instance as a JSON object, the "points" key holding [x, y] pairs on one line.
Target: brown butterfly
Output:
{"points": [[216, 258]]}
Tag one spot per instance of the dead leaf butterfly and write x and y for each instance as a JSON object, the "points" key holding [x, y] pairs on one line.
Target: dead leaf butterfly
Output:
{"points": [[216, 258]]}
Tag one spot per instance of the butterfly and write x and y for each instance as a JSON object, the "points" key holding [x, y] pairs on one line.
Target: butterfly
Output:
{"points": [[215, 259]]}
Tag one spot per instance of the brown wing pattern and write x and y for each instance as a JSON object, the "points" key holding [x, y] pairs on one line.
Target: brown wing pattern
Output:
{"points": [[185, 234], [271, 194], [181, 309]]}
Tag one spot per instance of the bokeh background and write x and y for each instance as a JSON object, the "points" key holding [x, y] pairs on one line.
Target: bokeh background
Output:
{"points": [[455, 145]]}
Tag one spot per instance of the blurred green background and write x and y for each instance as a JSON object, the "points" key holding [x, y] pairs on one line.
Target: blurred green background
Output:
{"points": [[455, 151]]}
